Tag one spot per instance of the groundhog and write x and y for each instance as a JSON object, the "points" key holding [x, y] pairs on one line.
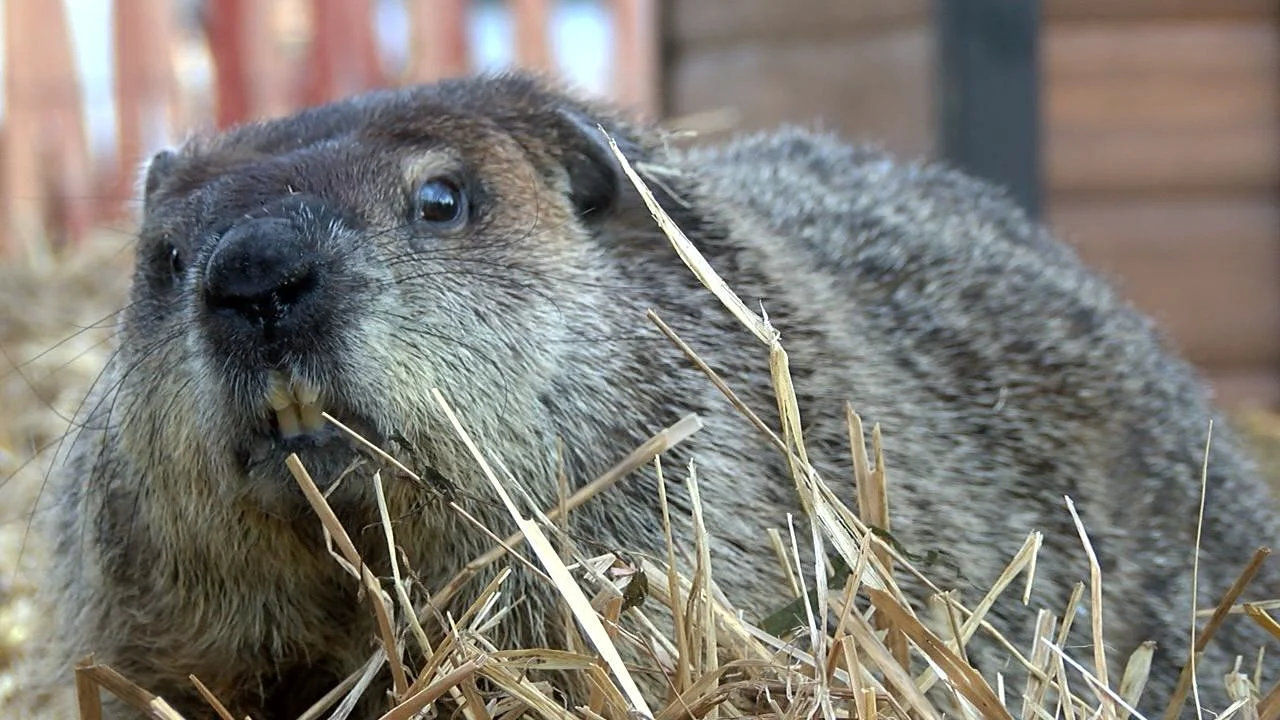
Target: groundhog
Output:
{"points": [[478, 236]]}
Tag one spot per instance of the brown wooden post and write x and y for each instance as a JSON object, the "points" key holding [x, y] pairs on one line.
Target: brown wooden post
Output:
{"points": [[438, 40], [46, 163], [253, 79], [22, 206], [66, 144], [533, 24], [635, 59], [226, 28], [147, 102], [344, 52]]}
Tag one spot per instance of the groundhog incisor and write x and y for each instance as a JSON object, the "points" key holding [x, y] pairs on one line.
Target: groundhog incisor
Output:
{"points": [[477, 236]]}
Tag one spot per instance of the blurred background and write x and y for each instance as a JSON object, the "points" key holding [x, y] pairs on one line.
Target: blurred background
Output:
{"points": [[1146, 132]]}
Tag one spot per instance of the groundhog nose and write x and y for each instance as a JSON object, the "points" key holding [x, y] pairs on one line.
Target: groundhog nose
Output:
{"points": [[261, 273]]}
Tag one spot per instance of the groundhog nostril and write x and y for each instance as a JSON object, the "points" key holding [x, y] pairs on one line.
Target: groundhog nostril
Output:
{"points": [[259, 273], [295, 288]]}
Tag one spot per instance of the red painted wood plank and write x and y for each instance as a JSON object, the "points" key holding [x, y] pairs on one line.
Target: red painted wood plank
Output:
{"points": [[635, 58], [344, 54], [533, 23], [226, 28], [46, 163], [438, 40], [146, 88]]}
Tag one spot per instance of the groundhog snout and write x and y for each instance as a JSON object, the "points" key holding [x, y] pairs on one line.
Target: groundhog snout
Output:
{"points": [[262, 287]]}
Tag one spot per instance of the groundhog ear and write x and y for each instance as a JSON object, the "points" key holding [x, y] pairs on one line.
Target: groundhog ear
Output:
{"points": [[597, 182], [158, 170]]}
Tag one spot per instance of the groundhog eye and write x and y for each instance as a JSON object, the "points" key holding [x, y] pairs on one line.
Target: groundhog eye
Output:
{"points": [[440, 201], [176, 264]]}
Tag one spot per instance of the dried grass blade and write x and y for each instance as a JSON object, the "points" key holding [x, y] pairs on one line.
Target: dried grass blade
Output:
{"points": [[699, 697], [895, 675], [1264, 619], [853, 666], [1024, 559], [1037, 683], [1095, 613], [358, 688], [1097, 684], [376, 596], [661, 442], [88, 694], [402, 593], [690, 255], [702, 574], [963, 677], [716, 380], [370, 666], [150, 705], [212, 699], [873, 508], [555, 567], [1219, 615], [1136, 672], [524, 691], [739, 635], [1269, 706], [683, 677]]}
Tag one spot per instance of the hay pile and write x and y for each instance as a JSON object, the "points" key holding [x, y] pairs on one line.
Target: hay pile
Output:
{"points": [[55, 318], [821, 658]]}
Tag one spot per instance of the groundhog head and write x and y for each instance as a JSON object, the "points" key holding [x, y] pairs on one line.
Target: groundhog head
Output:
{"points": [[351, 257]]}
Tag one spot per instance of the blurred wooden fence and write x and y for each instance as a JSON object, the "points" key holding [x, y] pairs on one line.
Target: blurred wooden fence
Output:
{"points": [[268, 57]]}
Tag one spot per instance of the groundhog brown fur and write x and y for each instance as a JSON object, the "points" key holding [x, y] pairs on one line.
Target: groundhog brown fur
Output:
{"points": [[477, 236]]}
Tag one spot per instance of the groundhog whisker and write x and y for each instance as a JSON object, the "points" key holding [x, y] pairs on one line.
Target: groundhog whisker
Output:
{"points": [[18, 368], [93, 412], [68, 419], [505, 281], [96, 325], [104, 522], [448, 344], [56, 369], [448, 264], [143, 354]]}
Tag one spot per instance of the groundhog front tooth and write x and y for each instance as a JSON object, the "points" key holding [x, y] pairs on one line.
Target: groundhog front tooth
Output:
{"points": [[289, 422], [305, 393], [278, 395], [311, 417]]}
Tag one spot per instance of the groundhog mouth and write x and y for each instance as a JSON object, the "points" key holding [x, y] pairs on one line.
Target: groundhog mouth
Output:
{"points": [[302, 417], [295, 404], [296, 418]]}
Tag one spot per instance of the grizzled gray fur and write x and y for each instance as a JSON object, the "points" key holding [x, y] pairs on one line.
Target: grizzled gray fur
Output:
{"points": [[477, 236]]}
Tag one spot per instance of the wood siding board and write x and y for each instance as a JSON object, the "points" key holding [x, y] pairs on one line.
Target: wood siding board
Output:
{"points": [[1140, 10], [1163, 105], [1205, 268], [879, 89], [705, 23], [1247, 389]]}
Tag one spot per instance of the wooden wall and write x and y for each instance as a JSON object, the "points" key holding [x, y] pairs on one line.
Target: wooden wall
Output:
{"points": [[864, 67], [1162, 157], [1161, 137]]}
